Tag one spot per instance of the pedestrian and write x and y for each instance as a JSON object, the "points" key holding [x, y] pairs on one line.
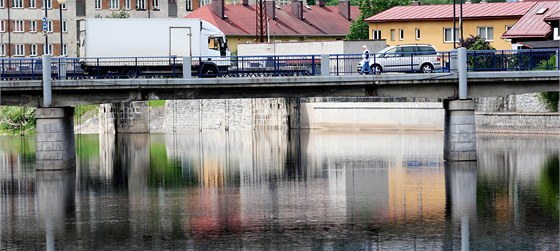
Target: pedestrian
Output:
{"points": [[365, 59]]}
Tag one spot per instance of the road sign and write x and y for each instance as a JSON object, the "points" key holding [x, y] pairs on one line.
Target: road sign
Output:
{"points": [[45, 25]]}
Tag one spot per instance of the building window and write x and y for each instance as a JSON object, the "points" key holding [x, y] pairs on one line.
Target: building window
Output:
{"points": [[155, 5], [33, 50], [2, 6], [48, 50], [50, 26], [63, 6], [140, 4], [19, 50], [376, 34], [19, 26], [448, 35], [204, 2], [2, 49], [32, 4], [392, 34], [18, 3], [97, 4], [64, 50], [48, 3], [2, 25], [189, 5], [486, 33], [65, 26], [33, 26], [127, 4], [114, 5], [417, 34], [401, 34]]}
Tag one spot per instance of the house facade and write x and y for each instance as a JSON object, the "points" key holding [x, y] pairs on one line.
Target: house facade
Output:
{"points": [[294, 22], [433, 24], [21, 25], [538, 28]]}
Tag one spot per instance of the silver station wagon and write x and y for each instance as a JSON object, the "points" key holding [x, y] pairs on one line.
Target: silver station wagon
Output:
{"points": [[405, 58]]}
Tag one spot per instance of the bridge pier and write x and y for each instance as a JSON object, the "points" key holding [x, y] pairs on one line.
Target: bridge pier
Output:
{"points": [[459, 130], [55, 138]]}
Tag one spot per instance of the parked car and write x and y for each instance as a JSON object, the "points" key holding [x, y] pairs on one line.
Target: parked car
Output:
{"points": [[405, 58]]}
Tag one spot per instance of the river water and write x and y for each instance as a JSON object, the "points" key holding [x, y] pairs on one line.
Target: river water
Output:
{"points": [[282, 190]]}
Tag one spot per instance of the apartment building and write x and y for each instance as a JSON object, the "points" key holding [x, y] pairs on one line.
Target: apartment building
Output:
{"points": [[21, 22]]}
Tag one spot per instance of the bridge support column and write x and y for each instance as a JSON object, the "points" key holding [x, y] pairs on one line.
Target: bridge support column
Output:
{"points": [[460, 131], [55, 138]]}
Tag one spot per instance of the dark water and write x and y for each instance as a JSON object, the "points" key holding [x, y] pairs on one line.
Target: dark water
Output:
{"points": [[276, 190]]}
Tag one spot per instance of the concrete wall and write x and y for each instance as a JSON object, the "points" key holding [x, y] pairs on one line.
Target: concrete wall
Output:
{"points": [[378, 116], [307, 48], [540, 123]]}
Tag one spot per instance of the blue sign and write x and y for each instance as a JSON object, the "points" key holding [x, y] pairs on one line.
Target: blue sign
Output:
{"points": [[45, 25]]}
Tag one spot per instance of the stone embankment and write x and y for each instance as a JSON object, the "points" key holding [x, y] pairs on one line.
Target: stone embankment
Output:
{"points": [[511, 114]]}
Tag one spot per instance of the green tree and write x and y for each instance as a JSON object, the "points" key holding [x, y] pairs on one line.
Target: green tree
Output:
{"points": [[359, 28], [476, 43]]}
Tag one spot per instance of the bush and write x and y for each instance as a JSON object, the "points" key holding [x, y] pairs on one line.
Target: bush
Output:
{"points": [[17, 120]]}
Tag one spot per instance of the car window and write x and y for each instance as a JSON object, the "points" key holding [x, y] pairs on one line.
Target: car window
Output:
{"points": [[427, 50], [389, 52]]}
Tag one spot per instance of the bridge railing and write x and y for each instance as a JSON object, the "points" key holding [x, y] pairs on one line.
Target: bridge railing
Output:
{"points": [[512, 60], [275, 65]]}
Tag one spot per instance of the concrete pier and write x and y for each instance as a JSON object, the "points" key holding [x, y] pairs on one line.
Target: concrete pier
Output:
{"points": [[460, 131], [55, 138]]}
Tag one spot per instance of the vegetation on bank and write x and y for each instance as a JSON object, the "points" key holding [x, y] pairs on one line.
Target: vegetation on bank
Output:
{"points": [[16, 120]]}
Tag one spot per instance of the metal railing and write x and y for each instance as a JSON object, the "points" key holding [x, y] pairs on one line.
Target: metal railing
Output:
{"points": [[277, 65]]}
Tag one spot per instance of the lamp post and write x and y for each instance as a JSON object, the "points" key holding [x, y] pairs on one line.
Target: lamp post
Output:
{"points": [[60, 3]]}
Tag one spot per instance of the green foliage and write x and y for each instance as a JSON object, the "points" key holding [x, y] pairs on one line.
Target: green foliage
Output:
{"points": [[17, 120], [359, 28], [476, 43], [156, 103], [549, 64], [550, 100]]}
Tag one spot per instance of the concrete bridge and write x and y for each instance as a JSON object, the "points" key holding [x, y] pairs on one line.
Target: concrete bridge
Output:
{"points": [[56, 98], [420, 85]]}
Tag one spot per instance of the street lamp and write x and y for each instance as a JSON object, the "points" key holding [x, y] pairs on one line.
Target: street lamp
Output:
{"points": [[60, 3]]}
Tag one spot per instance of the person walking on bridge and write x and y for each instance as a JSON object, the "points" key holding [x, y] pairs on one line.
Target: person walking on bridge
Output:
{"points": [[365, 60]]}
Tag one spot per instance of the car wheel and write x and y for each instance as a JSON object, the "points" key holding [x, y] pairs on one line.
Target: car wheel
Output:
{"points": [[427, 68], [376, 69]]}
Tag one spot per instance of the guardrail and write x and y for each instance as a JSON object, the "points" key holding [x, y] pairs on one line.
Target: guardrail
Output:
{"points": [[277, 65]]}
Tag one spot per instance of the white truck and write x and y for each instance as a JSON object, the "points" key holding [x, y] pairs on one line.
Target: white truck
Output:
{"points": [[134, 46]]}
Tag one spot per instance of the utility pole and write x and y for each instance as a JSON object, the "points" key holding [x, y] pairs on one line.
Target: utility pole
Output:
{"points": [[260, 21]]}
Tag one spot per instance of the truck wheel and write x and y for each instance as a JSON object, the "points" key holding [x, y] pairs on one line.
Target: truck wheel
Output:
{"points": [[131, 73]]}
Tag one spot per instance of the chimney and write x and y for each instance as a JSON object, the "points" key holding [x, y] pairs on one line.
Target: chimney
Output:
{"points": [[344, 9], [322, 3], [218, 7], [415, 3], [245, 2], [297, 9], [270, 6]]}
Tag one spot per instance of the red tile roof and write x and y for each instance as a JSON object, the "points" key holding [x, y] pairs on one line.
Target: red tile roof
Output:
{"points": [[318, 21], [445, 12], [532, 25], [553, 16]]}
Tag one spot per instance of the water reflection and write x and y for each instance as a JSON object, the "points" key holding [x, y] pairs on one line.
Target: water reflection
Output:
{"points": [[283, 190]]}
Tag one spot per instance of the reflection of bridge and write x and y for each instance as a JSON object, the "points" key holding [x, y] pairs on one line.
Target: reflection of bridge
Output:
{"points": [[54, 123]]}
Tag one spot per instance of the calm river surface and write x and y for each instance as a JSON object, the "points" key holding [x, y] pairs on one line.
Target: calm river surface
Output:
{"points": [[280, 190]]}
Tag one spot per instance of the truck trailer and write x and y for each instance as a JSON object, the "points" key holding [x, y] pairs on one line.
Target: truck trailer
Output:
{"points": [[136, 46]]}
